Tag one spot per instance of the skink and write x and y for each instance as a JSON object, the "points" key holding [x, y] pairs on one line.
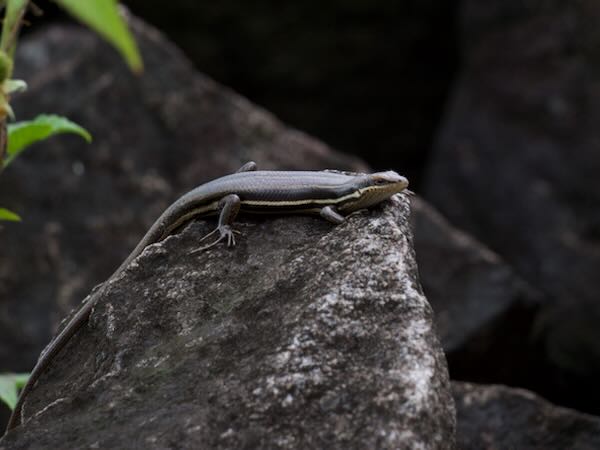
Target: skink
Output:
{"points": [[331, 194]]}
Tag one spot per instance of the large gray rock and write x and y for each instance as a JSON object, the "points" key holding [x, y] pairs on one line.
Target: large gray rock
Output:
{"points": [[517, 164], [305, 335], [499, 417]]}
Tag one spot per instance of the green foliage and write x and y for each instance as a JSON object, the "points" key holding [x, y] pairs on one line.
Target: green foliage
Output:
{"points": [[5, 214], [23, 134], [6, 66], [10, 383], [15, 9], [103, 17], [100, 15]]}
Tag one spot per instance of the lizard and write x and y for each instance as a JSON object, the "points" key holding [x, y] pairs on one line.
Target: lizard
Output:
{"points": [[331, 194]]}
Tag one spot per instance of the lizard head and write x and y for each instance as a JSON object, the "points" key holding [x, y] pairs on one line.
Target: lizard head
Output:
{"points": [[375, 188]]}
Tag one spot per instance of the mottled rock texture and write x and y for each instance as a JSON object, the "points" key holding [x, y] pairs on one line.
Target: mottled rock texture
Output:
{"points": [[306, 335], [516, 165], [499, 417]]}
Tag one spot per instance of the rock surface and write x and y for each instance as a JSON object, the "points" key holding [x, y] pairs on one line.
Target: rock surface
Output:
{"points": [[306, 335], [499, 417], [517, 166], [86, 206], [484, 311]]}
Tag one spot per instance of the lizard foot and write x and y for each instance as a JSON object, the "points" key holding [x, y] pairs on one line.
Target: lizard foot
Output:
{"points": [[227, 233]]}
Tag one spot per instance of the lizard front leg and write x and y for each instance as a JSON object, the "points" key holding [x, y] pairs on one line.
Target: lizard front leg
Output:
{"points": [[330, 214]]}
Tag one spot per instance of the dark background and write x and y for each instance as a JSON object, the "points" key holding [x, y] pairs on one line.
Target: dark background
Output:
{"points": [[368, 77]]}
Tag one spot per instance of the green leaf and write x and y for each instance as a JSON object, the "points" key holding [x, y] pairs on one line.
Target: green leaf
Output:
{"points": [[9, 385], [103, 17], [11, 86], [23, 134], [5, 214]]}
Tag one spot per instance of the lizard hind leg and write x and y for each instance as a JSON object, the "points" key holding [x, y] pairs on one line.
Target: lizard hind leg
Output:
{"points": [[230, 206]]}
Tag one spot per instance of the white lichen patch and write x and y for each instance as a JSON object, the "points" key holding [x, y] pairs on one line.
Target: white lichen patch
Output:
{"points": [[115, 369], [152, 361], [227, 433], [180, 287], [297, 370], [287, 401], [50, 406], [395, 261], [418, 369], [281, 359], [110, 321], [403, 439], [196, 342]]}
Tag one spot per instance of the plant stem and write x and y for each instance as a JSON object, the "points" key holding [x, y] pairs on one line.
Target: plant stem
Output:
{"points": [[3, 142], [13, 18]]}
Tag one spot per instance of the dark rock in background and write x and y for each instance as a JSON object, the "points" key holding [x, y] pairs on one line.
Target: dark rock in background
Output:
{"points": [[343, 71], [306, 335], [484, 312], [517, 165], [497, 417]]}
